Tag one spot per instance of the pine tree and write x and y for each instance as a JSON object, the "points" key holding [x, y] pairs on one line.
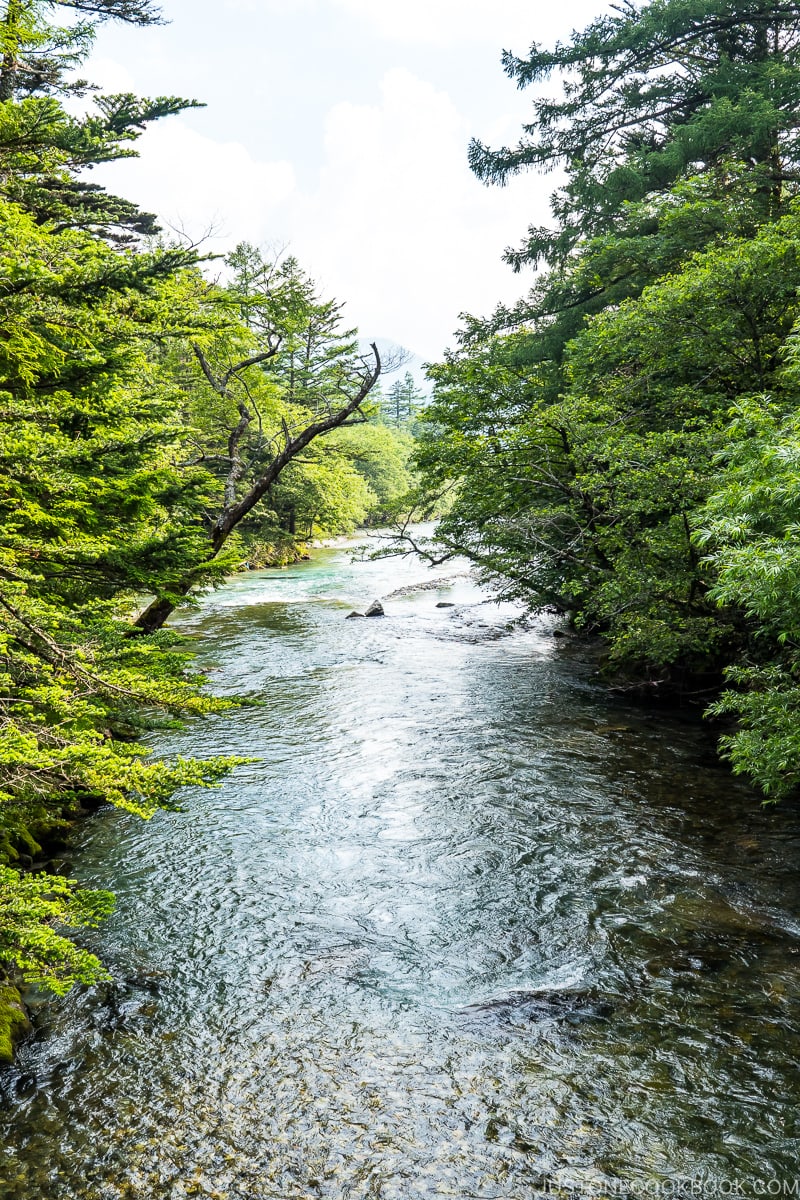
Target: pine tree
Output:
{"points": [[90, 511], [403, 401], [653, 94], [43, 147]]}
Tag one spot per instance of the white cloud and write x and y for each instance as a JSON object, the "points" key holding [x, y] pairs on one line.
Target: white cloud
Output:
{"points": [[393, 222], [197, 185], [509, 23], [110, 76], [400, 226]]}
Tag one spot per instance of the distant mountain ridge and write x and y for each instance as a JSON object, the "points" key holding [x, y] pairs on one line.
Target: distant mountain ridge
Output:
{"points": [[414, 364]]}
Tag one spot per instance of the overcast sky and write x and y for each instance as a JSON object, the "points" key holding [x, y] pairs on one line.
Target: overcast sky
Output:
{"points": [[338, 129]]}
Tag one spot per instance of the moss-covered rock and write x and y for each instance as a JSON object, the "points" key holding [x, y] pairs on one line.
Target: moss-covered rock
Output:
{"points": [[14, 1022]]}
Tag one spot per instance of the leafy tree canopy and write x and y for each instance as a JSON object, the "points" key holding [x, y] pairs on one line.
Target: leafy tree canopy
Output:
{"points": [[620, 443], [652, 93]]}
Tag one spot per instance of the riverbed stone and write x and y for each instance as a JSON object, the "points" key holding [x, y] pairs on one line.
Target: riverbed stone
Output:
{"points": [[575, 1006], [375, 610]]}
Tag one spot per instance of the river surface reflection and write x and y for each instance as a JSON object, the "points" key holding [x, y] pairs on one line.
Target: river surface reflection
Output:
{"points": [[462, 930]]}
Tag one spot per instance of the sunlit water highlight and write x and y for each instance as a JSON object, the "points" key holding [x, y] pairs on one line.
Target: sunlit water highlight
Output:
{"points": [[463, 930]]}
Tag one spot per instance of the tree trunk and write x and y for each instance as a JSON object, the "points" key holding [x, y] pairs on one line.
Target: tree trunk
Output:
{"points": [[9, 63], [159, 611]]}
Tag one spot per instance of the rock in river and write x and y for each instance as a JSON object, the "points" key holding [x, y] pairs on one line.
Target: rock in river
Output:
{"points": [[522, 1008]]}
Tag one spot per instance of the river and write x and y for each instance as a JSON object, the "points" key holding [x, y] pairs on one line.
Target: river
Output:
{"points": [[465, 929]]}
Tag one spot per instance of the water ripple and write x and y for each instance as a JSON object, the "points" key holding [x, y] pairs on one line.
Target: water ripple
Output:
{"points": [[461, 930]]}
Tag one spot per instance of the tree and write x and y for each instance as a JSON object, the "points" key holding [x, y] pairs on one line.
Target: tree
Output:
{"points": [[588, 500], [37, 57], [91, 512], [284, 376], [43, 147], [381, 455], [652, 94], [144, 413], [749, 530], [586, 431], [404, 400]]}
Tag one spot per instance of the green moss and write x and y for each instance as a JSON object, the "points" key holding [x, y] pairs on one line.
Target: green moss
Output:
{"points": [[14, 1022], [274, 554]]}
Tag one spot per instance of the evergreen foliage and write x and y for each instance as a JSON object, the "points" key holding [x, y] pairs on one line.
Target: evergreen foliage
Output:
{"points": [[650, 93], [621, 442], [402, 402], [42, 145], [142, 408], [91, 515]]}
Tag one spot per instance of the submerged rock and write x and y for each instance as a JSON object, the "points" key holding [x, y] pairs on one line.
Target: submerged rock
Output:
{"points": [[375, 610], [351, 615], [523, 1008], [26, 1085], [445, 604]]}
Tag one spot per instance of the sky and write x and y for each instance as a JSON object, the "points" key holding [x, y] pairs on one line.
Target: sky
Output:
{"points": [[337, 131]]}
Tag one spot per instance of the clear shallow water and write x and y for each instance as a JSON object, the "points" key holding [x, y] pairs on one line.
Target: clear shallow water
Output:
{"points": [[464, 930]]}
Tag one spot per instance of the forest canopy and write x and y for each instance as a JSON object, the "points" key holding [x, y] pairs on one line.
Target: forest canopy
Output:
{"points": [[621, 443], [165, 420]]}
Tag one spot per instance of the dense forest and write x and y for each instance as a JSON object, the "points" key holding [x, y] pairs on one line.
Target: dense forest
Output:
{"points": [[165, 420], [621, 447]]}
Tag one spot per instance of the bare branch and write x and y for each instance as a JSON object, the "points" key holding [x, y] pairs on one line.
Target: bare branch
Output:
{"points": [[233, 514], [234, 511], [204, 363], [254, 359]]}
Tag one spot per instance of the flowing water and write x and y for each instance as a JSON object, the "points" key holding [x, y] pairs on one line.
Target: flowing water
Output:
{"points": [[462, 930]]}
